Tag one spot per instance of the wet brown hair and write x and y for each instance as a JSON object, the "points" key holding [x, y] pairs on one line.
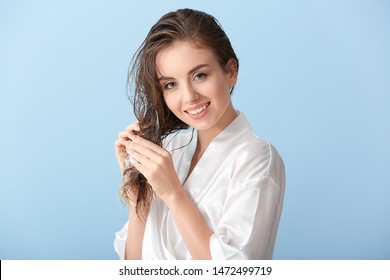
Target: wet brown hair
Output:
{"points": [[156, 121]]}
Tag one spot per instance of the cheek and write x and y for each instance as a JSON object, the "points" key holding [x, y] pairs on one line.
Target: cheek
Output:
{"points": [[217, 89], [171, 102]]}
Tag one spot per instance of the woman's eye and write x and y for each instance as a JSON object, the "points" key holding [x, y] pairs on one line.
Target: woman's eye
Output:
{"points": [[200, 76], [170, 85]]}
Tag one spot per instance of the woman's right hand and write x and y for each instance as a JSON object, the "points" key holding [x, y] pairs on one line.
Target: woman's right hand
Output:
{"points": [[120, 143]]}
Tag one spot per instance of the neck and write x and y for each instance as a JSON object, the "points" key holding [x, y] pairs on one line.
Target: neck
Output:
{"points": [[206, 136]]}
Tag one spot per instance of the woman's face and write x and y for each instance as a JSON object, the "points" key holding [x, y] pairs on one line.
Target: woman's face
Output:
{"points": [[195, 87]]}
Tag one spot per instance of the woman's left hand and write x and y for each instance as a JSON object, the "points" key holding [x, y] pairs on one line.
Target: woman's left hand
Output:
{"points": [[155, 163]]}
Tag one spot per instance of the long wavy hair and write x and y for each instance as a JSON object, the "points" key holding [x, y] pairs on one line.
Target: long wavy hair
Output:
{"points": [[156, 121]]}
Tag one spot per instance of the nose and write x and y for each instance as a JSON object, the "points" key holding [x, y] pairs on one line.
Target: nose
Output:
{"points": [[190, 95]]}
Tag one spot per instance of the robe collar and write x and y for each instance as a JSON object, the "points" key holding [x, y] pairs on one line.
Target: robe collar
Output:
{"points": [[216, 150]]}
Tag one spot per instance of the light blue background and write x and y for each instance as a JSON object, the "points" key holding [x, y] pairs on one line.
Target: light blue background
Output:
{"points": [[314, 80]]}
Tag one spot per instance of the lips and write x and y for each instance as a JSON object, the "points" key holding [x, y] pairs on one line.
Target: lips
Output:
{"points": [[196, 110]]}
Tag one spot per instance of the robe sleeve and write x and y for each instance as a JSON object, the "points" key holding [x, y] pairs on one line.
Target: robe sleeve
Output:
{"points": [[248, 227], [120, 241]]}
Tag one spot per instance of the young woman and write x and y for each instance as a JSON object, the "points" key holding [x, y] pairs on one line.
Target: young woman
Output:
{"points": [[215, 192]]}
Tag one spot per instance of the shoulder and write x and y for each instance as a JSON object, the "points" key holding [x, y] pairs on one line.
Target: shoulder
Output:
{"points": [[257, 157]]}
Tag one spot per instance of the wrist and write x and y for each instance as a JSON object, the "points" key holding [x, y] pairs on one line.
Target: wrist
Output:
{"points": [[173, 198]]}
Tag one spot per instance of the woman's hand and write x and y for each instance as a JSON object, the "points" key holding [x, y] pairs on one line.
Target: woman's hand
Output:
{"points": [[155, 163], [122, 143]]}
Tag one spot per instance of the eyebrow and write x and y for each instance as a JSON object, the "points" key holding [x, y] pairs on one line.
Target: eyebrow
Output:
{"points": [[196, 68]]}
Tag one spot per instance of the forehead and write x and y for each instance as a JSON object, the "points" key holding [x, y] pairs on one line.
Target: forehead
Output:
{"points": [[181, 56]]}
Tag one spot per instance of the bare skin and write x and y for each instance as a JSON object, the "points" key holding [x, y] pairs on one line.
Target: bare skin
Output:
{"points": [[201, 99]]}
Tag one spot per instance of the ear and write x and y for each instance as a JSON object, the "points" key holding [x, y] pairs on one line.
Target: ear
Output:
{"points": [[232, 71]]}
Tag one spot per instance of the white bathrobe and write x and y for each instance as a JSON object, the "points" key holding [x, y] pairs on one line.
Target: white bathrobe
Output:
{"points": [[238, 186]]}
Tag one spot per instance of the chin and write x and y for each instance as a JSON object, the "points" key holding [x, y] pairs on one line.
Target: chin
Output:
{"points": [[205, 125]]}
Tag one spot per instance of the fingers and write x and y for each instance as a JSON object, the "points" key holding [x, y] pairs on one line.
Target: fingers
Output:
{"points": [[139, 141], [130, 130], [133, 127], [137, 158], [125, 136], [122, 141], [147, 153], [144, 164], [144, 154]]}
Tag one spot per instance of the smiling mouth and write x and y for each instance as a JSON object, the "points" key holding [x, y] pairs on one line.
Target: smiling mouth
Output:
{"points": [[199, 110]]}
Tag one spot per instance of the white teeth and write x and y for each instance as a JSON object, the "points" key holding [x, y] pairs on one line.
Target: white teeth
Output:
{"points": [[197, 111]]}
